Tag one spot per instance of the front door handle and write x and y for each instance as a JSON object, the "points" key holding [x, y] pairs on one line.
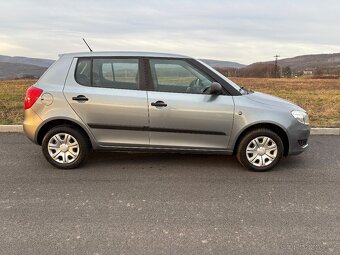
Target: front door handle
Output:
{"points": [[80, 98], [159, 104]]}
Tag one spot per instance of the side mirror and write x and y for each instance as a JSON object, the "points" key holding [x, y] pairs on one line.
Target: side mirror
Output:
{"points": [[215, 88]]}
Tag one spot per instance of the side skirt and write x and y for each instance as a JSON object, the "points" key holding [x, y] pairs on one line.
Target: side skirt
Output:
{"points": [[163, 149]]}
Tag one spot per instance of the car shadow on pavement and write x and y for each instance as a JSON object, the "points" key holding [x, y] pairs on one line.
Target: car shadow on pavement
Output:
{"points": [[173, 161], [160, 160]]}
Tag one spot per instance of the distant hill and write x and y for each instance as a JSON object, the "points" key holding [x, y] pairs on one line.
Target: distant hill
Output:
{"points": [[27, 61], [19, 67], [222, 64], [9, 71], [313, 61]]}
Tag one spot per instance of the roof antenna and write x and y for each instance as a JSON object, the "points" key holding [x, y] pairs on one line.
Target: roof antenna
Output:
{"points": [[87, 45]]}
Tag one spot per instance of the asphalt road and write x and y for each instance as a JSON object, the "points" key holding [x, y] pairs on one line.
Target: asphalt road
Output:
{"points": [[124, 203]]}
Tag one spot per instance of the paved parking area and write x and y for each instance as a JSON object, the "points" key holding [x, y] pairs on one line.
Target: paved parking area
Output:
{"points": [[125, 203]]}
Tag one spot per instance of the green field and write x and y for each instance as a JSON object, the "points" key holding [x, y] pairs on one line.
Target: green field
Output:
{"points": [[321, 98]]}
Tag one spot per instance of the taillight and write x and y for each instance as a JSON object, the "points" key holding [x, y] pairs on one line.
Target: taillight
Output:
{"points": [[32, 94]]}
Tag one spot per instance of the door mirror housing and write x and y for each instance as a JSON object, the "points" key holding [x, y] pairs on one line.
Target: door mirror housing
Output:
{"points": [[215, 88]]}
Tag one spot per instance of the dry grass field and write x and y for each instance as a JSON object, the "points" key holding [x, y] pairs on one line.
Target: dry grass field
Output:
{"points": [[12, 95], [321, 98]]}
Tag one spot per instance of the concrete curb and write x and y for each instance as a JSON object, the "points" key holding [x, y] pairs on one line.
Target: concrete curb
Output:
{"points": [[11, 129], [314, 131], [325, 131]]}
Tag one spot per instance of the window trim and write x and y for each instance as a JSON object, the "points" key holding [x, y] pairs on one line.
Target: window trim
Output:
{"points": [[182, 65], [141, 77], [76, 69], [228, 90], [145, 76], [200, 69]]}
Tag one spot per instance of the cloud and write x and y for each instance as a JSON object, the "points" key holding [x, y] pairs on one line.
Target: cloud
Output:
{"points": [[243, 30]]}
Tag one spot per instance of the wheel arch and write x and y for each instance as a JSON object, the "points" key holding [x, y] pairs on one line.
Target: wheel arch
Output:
{"points": [[58, 122], [271, 126]]}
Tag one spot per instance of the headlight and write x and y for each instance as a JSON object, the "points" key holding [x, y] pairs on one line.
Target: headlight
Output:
{"points": [[301, 116]]}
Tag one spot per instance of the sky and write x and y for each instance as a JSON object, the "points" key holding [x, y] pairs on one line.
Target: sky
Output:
{"points": [[243, 31]]}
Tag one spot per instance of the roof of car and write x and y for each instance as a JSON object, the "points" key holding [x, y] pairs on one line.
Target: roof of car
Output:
{"points": [[123, 54]]}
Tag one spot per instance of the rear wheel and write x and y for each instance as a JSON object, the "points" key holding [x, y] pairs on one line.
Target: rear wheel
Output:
{"points": [[260, 150], [65, 147]]}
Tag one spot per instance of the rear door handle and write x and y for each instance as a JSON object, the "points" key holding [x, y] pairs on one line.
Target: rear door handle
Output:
{"points": [[159, 104], [80, 98]]}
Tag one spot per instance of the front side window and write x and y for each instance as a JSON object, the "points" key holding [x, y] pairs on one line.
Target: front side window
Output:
{"points": [[178, 76], [109, 73]]}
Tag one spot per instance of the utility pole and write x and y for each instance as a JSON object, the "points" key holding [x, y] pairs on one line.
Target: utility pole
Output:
{"points": [[276, 67]]}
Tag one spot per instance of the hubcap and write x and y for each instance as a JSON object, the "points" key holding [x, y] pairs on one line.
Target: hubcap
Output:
{"points": [[261, 151], [63, 148]]}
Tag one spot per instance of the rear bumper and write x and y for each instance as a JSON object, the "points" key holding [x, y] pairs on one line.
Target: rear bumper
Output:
{"points": [[31, 123], [298, 136]]}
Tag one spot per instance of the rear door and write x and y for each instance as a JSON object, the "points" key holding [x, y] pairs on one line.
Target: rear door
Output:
{"points": [[108, 96], [181, 113]]}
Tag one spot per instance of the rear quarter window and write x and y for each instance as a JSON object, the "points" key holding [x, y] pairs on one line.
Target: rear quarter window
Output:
{"points": [[83, 72]]}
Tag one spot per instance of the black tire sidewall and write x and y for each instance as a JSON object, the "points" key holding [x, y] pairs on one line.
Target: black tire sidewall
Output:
{"points": [[241, 150], [78, 135]]}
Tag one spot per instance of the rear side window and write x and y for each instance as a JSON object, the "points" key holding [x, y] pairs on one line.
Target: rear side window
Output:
{"points": [[110, 73]]}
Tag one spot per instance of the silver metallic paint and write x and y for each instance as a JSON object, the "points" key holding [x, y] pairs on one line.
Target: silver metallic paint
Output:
{"points": [[106, 106], [132, 108], [191, 112]]}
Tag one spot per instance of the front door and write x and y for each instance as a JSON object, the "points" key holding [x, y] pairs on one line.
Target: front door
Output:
{"points": [[106, 95], [181, 112]]}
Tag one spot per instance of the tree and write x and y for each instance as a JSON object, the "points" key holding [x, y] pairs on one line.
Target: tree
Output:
{"points": [[261, 70], [287, 72]]}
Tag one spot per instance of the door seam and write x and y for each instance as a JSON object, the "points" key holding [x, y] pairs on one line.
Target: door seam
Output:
{"points": [[147, 102]]}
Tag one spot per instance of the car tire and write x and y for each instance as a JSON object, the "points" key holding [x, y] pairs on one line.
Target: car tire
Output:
{"points": [[260, 150], [65, 147]]}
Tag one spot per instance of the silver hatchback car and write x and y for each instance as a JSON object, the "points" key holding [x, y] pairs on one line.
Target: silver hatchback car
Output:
{"points": [[156, 102]]}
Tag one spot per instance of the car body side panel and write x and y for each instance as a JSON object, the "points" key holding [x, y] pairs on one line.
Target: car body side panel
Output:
{"points": [[114, 116], [56, 74], [52, 84], [249, 113], [58, 110], [191, 120]]}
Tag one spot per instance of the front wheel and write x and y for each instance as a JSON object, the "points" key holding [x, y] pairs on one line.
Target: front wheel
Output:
{"points": [[260, 150], [65, 147]]}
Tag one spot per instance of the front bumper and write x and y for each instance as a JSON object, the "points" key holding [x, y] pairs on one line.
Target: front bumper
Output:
{"points": [[298, 136]]}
